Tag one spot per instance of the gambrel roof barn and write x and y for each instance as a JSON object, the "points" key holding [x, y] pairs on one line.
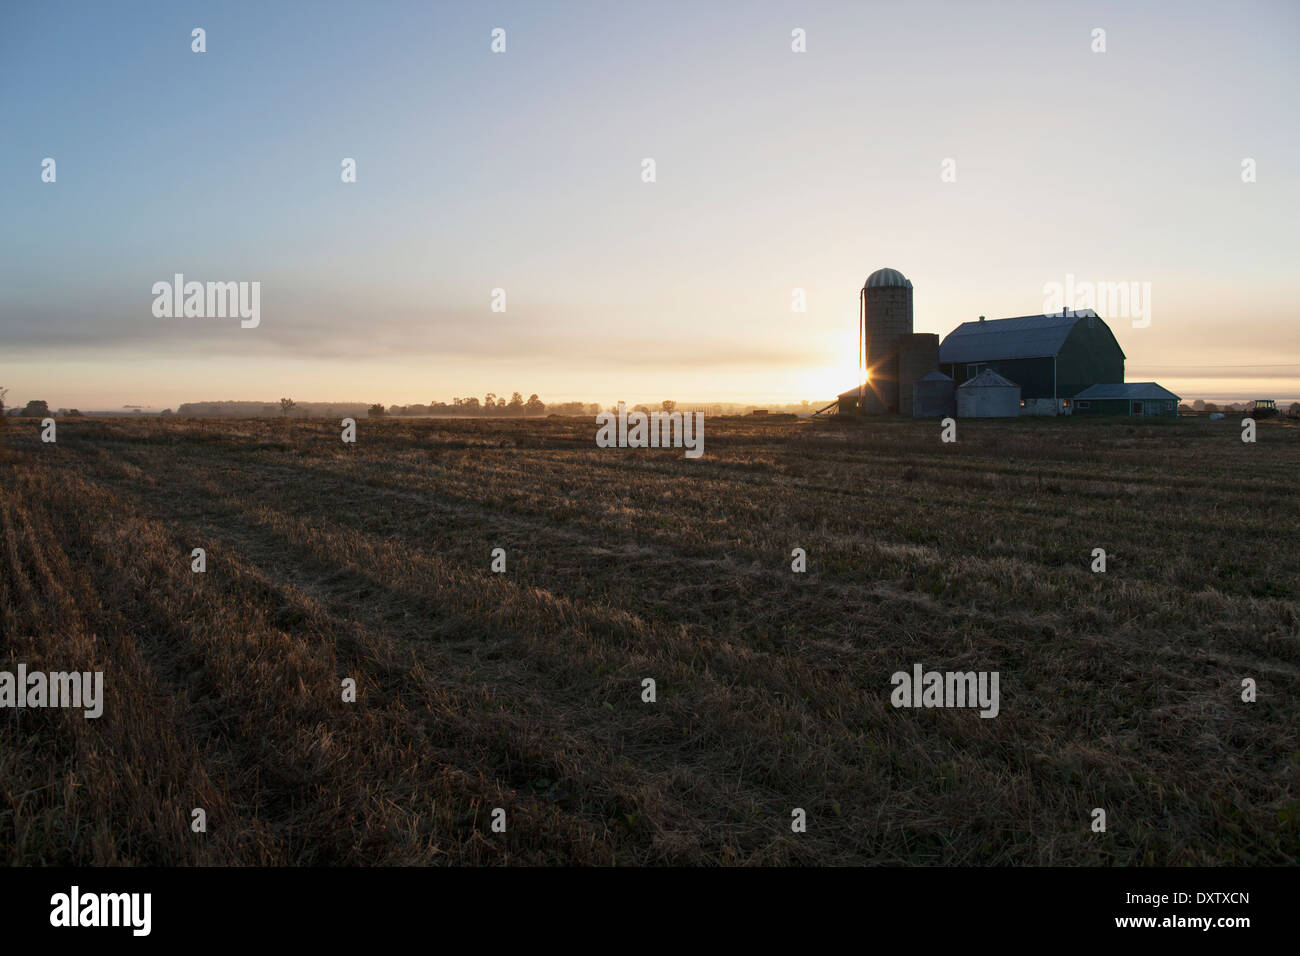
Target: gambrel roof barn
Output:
{"points": [[1048, 356]]}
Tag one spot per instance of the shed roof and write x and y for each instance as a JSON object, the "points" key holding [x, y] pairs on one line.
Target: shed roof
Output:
{"points": [[1024, 336], [988, 379], [1129, 390], [935, 376]]}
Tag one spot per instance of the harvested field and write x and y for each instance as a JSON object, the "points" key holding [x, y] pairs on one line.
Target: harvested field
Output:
{"points": [[522, 690]]}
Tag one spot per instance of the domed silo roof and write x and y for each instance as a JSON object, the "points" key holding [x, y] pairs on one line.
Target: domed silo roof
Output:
{"points": [[887, 277]]}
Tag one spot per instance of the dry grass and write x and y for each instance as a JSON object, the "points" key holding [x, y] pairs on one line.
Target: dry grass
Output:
{"points": [[522, 690]]}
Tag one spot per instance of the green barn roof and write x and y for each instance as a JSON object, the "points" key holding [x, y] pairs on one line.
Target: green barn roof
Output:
{"points": [[1022, 337], [1134, 391]]}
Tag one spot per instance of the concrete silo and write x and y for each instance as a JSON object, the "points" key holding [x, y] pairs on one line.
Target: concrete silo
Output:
{"points": [[918, 353], [886, 313]]}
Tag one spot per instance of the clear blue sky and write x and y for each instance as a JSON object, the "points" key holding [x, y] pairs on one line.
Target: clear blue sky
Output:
{"points": [[776, 170]]}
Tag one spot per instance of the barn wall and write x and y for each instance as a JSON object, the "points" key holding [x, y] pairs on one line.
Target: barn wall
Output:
{"points": [[1123, 406], [1090, 356], [1034, 376]]}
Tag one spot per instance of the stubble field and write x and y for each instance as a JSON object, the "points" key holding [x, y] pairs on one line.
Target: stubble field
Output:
{"points": [[523, 690]]}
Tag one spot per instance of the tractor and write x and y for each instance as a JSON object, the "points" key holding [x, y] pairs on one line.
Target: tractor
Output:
{"points": [[1262, 408]]}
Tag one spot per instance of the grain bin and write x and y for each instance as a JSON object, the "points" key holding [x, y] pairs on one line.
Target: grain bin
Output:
{"points": [[988, 395], [934, 396]]}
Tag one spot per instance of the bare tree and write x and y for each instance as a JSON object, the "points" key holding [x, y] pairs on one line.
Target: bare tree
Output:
{"points": [[286, 406]]}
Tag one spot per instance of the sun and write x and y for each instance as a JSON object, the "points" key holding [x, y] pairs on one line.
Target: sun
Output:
{"points": [[827, 381]]}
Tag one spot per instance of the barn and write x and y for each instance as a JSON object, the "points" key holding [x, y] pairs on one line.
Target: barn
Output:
{"points": [[1051, 357], [1127, 398]]}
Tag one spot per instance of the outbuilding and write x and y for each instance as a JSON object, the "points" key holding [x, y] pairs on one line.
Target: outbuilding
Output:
{"points": [[988, 395], [1127, 398]]}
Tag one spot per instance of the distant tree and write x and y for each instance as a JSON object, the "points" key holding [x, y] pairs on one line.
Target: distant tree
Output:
{"points": [[1199, 405], [534, 406], [165, 413], [668, 405], [516, 406], [1293, 411], [1184, 408], [3, 392], [376, 411], [641, 408], [1209, 407], [489, 401], [286, 406], [36, 409]]}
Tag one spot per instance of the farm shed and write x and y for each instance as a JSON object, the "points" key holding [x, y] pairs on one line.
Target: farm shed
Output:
{"points": [[1052, 357], [988, 395], [847, 402], [1131, 398], [934, 396]]}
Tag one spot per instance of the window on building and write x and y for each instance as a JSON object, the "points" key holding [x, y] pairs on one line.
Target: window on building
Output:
{"points": [[1136, 408], [1083, 404]]}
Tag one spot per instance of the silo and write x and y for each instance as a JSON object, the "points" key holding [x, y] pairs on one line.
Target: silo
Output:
{"points": [[918, 353], [886, 317], [988, 395], [934, 396]]}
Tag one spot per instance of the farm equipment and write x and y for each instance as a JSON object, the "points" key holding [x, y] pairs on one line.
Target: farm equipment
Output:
{"points": [[1262, 408]]}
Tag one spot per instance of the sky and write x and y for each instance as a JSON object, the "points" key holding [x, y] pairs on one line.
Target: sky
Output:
{"points": [[986, 151]]}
